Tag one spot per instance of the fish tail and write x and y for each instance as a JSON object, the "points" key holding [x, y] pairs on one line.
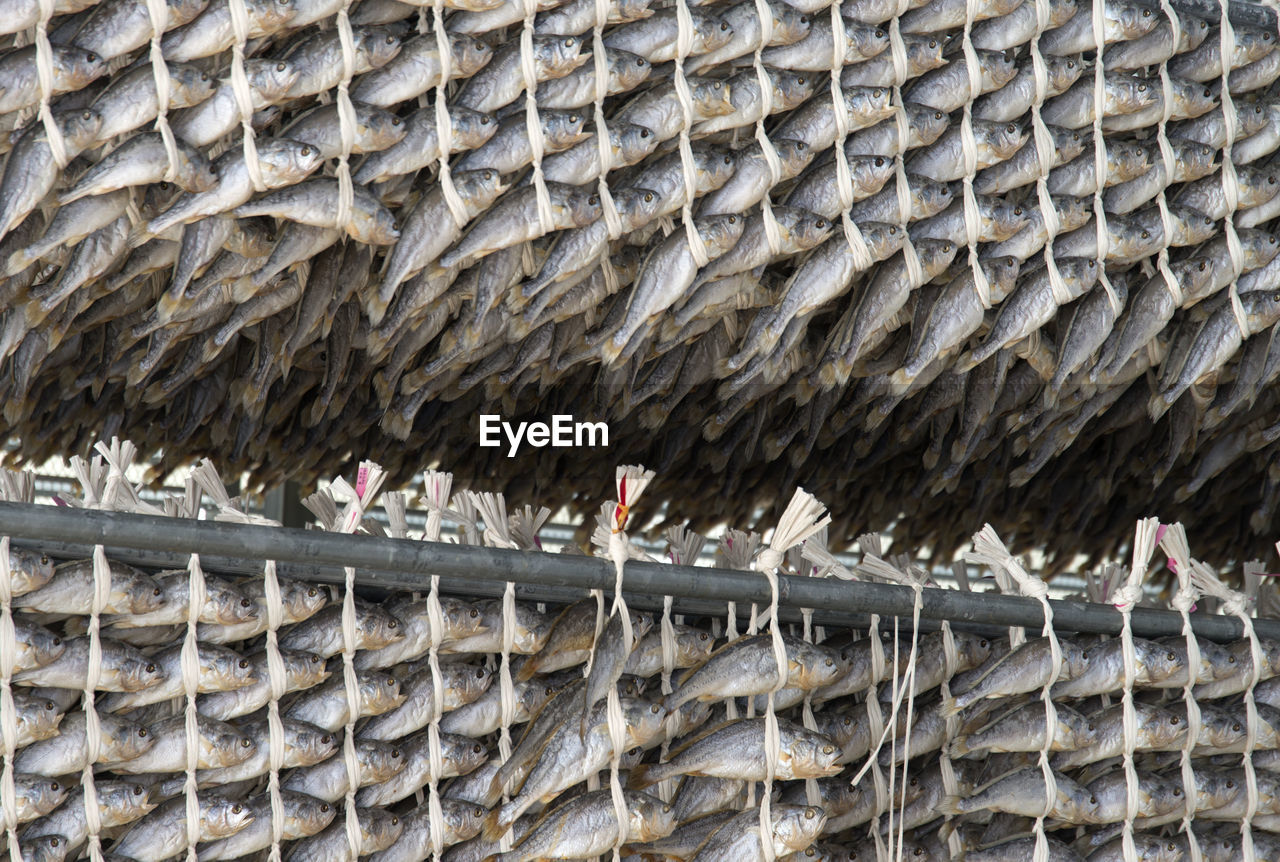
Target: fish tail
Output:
{"points": [[497, 822], [950, 806], [140, 234], [18, 261], [642, 776], [960, 746], [526, 671], [952, 705]]}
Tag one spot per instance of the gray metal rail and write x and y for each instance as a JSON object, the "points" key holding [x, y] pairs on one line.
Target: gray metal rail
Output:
{"points": [[400, 564]]}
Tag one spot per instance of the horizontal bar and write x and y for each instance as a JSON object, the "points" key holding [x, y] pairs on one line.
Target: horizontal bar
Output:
{"points": [[404, 564]]}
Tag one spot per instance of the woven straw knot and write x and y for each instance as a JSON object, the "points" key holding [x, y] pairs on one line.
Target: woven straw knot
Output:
{"points": [[1235, 605], [1034, 588], [1183, 601], [1126, 597], [769, 559]]}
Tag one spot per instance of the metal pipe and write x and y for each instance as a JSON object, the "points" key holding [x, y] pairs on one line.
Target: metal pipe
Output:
{"points": [[398, 564]]}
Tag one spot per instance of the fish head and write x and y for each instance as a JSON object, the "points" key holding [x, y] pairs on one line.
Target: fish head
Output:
{"points": [[302, 600], [790, 25], [1063, 72], [378, 829], [1191, 99], [1068, 143], [137, 673], [308, 744], [975, 649], [710, 31], [631, 10], [882, 238], [1127, 161], [720, 232], [228, 605], [713, 166], [935, 255], [471, 681], [649, 818], [379, 45], [794, 155], [815, 754], [195, 174], [644, 721], [470, 54], [29, 570], [692, 645], [121, 802], [1196, 160], [1072, 212], [80, 127], [865, 42], [563, 129], [40, 717], [464, 819], [379, 761], [583, 207], [471, 128], [1194, 31], [929, 197], [925, 52], [1251, 119], [380, 692], [1164, 796], [225, 668], [1132, 19], [1255, 42], [273, 14], [125, 739], [305, 815], [1083, 728], [225, 744], [373, 223], [286, 162], [44, 645], [1162, 662], [1215, 789], [80, 67], [271, 79], [303, 669], [998, 66], [478, 189], [379, 129], [378, 627], [1262, 309], [135, 592], [220, 817], [636, 207], [796, 826], [1005, 139], [41, 792], [840, 726], [557, 56], [626, 70], [1004, 219], [806, 230], [792, 88], [641, 625], [1259, 247], [470, 755], [870, 173], [712, 97], [689, 716], [867, 104]]}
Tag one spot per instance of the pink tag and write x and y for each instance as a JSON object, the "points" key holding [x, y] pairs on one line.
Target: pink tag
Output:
{"points": [[58, 501], [1160, 531], [362, 479]]}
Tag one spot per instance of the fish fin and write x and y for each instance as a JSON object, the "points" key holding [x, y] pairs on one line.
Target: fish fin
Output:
{"points": [[18, 261], [140, 234], [526, 671], [640, 777]]}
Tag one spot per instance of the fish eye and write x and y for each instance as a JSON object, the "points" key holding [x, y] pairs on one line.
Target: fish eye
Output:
{"points": [[1171, 846], [933, 43], [820, 223], [53, 786], [324, 740], [484, 121], [809, 814], [830, 663], [593, 200], [86, 115], [919, 851], [44, 560], [1146, 235], [893, 229], [724, 25], [716, 85], [151, 668], [937, 115], [1230, 784], [315, 659], [50, 706], [391, 682], [57, 641], [478, 812], [137, 790], [157, 591], [1235, 727], [1017, 211], [574, 118], [914, 782], [644, 133], [828, 749], [236, 809], [1171, 656], [395, 820], [1093, 800], [281, 66], [640, 61], [311, 592], [728, 160], [1012, 128], [480, 673], [1173, 719], [1092, 264], [395, 121], [655, 709], [245, 603], [244, 663], [142, 733], [477, 749], [648, 197], [875, 94], [570, 42], [395, 754], [879, 161], [53, 841], [1089, 726], [1230, 659], [733, 219], [1146, 13], [1142, 88], [390, 40], [392, 624], [324, 807], [305, 151], [246, 742], [800, 80], [1177, 791], [1201, 269]]}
